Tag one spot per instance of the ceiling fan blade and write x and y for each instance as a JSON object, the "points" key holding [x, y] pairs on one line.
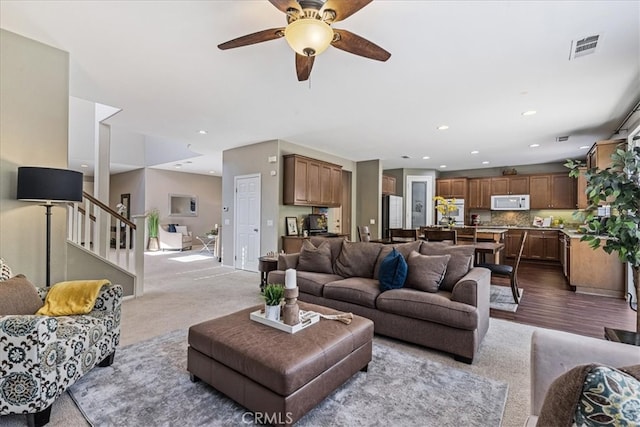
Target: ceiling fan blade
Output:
{"points": [[357, 45], [259, 37], [284, 5], [303, 66], [344, 8]]}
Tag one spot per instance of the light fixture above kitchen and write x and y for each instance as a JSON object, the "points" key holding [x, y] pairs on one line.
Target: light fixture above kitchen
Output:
{"points": [[443, 127], [202, 132], [534, 145], [425, 157], [529, 113], [475, 152]]}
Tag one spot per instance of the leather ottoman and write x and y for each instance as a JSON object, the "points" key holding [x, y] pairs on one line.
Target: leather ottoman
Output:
{"points": [[277, 375]]}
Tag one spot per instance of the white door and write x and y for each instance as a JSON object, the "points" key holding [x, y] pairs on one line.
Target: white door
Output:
{"points": [[247, 229]]}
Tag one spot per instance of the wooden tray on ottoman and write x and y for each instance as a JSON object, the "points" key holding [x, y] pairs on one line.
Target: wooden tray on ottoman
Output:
{"points": [[280, 375]]}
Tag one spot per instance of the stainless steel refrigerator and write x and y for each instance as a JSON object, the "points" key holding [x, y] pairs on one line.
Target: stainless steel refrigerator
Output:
{"points": [[391, 214]]}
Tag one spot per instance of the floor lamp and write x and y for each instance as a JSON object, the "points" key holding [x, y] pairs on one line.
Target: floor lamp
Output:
{"points": [[50, 186]]}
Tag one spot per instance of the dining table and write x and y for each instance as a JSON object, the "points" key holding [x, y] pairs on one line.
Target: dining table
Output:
{"points": [[482, 248]]}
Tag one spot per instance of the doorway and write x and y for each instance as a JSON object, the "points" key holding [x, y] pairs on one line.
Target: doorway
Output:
{"points": [[247, 222], [419, 201]]}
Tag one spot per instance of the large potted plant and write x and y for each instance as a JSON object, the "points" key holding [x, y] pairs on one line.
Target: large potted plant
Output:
{"points": [[619, 187], [153, 217]]}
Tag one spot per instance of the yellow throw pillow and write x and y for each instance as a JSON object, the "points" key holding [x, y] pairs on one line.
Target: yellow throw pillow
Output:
{"points": [[73, 297]]}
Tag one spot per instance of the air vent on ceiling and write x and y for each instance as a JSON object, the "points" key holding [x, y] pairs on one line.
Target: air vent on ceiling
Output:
{"points": [[582, 47], [562, 138]]}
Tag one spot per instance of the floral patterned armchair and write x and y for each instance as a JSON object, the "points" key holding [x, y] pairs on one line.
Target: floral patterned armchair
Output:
{"points": [[42, 356]]}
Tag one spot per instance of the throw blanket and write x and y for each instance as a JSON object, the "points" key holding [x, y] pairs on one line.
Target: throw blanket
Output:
{"points": [[73, 297]]}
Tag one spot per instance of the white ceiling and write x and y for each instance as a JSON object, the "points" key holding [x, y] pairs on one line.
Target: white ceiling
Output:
{"points": [[472, 65]]}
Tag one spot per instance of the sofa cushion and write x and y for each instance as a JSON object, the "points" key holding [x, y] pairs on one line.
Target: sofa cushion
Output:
{"points": [[308, 282], [357, 259], [433, 307], [316, 259], [404, 248], [593, 394], [459, 264], [393, 271], [18, 296], [356, 290], [426, 271]]}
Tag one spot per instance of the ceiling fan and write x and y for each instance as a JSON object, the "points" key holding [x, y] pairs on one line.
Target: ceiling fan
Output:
{"points": [[309, 32]]}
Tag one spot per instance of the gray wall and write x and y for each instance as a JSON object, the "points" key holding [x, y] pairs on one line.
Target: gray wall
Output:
{"points": [[133, 183], [368, 204], [252, 159], [34, 119], [208, 189]]}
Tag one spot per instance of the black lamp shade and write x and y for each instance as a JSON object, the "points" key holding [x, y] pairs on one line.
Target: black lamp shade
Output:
{"points": [[48, 184]]}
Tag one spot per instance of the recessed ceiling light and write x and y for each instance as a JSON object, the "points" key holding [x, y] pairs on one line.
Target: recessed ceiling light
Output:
{"points": [[443, 127], [212, 171], [425, 157], [202, 132], [583, 147], [84, 166], [486, 162], [529, 113], [475, 152], [443, 166], [178, 165], [534, 145]]}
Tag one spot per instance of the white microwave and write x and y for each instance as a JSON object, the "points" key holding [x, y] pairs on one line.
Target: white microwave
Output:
{"points": [[519, 202]]}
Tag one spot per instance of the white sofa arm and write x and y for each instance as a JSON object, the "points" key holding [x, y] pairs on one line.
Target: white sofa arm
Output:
{"points": [[553, 353]]}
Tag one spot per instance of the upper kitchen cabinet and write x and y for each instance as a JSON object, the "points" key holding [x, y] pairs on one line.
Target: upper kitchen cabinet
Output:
{"points": [[479, 193], [310, 182], [554, 191], [388, 185], [582, 201], [599, 156], [514, 184], [452, 188]]}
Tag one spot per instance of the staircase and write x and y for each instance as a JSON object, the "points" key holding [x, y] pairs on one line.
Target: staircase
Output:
{"points": [[106, 241]]}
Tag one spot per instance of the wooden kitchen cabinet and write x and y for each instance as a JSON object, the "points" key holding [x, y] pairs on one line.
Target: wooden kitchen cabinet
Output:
{"points": [[553, 191], [388, 185], [509, 185], [599, 156], [595, 271], [540, 245], [479, 193], [452, 188], [582, 201], [310, 182]]}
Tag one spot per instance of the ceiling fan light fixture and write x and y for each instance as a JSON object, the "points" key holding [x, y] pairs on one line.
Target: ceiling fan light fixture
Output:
{"points": [[308, 36]]}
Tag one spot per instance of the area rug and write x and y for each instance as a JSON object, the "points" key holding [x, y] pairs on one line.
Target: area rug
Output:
{"points": [[148, 385], [502, 298]]}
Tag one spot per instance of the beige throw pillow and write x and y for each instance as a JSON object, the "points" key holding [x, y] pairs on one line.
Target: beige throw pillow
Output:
{"points": [[316, 259], [426, 272]]}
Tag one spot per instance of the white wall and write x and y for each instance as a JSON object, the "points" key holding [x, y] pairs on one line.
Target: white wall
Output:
{"points": [[34, 120]]}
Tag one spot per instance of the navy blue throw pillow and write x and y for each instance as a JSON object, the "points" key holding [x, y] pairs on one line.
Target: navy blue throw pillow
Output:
{"points": [[393, 271], [172, 228]]}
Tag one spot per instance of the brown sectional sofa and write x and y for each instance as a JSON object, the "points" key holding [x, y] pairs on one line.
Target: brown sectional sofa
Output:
{"points": [[344, 275]]}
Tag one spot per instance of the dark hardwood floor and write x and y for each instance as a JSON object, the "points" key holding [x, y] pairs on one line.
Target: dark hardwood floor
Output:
{"points": [[549, 302]]}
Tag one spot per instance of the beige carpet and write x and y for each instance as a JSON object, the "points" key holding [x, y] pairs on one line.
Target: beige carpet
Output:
{"points": [[179, 294]]}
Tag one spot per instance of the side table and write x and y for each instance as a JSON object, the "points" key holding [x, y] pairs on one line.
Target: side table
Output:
{"points": [[208, 243], [265, 265], [619, 335]]}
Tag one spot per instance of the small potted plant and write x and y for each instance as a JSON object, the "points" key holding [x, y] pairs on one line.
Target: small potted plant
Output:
{"points": [[273, 294]]}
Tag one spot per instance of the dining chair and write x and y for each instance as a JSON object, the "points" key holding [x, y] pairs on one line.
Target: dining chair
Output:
{"points": [[403, 234], [433, 235], [363, 233], [505, 270]]}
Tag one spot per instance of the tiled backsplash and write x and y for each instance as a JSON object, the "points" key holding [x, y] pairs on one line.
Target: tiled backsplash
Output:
{"points": [[525, 218]]}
